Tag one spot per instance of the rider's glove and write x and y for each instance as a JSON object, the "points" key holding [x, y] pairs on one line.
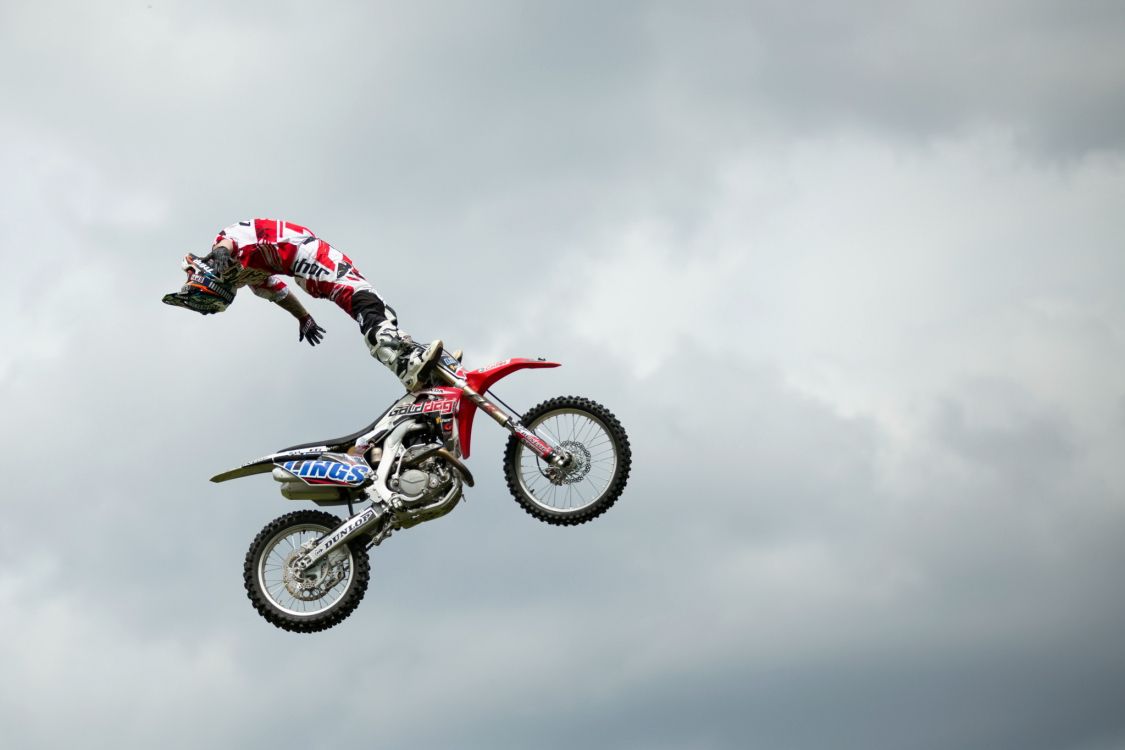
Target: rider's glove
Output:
{"points": [[220, 260], [310, 330]]}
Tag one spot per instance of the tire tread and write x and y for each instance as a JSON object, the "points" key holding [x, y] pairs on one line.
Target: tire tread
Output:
{"points": [[361, 571], [616, 486]]}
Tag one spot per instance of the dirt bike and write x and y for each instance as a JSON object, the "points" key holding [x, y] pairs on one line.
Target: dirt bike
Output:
{"points": [[566, 462]]}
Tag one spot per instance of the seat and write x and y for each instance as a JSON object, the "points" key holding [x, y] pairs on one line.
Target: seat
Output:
{"points": [[340, 441]]}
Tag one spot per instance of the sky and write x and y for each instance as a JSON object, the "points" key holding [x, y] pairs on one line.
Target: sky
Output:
{"points": [[850, 275]]}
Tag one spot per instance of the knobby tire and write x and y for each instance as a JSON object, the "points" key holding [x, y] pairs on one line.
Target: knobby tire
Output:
{"points": [[360, 573], [563, 517]]}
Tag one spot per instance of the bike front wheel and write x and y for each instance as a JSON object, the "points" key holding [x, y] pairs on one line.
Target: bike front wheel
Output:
{"points": [[596, 475]]}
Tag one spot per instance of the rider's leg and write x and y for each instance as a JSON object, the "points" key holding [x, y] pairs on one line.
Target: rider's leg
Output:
{"points": [[387, 343], [323, 271]]}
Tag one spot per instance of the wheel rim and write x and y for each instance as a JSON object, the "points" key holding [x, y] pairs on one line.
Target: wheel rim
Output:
{"points": [[589, 440], [321, 587]]}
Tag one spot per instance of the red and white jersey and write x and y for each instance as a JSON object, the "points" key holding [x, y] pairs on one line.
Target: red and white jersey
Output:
{"points": [[268, 249]]}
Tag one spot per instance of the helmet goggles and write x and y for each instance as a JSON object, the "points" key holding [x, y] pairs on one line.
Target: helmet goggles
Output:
{"points": [[204, 292]]}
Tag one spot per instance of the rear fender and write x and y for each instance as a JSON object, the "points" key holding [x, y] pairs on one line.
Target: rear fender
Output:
{"points": [[265, 464], [480, 381]]}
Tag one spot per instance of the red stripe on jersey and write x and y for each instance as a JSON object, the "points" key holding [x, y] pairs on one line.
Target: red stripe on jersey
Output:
{"points": [[276, 230], [266, 230], [323, 257]]}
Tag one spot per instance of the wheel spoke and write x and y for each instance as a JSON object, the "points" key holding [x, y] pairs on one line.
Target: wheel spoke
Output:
{"points": [[273, 569], [594, 449]]}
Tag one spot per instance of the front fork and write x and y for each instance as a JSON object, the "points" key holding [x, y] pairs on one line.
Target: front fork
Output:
{"points": [[554, 455]]}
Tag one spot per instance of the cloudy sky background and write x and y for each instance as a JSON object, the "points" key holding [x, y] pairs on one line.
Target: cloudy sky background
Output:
{"points": [[850, 274]]}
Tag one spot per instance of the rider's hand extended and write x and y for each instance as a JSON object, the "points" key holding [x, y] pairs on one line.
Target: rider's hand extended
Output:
{"points": [[310, 330]]}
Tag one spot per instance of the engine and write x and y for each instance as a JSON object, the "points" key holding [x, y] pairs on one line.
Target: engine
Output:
{"points": [[422, 478], [413, 482]]}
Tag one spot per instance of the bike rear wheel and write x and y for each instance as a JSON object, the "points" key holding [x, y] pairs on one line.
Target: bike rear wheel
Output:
{"points": [[310, 600], [597, 475]]}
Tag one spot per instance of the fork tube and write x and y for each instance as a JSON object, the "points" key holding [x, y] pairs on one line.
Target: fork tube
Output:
{"points": [[511, 423]]}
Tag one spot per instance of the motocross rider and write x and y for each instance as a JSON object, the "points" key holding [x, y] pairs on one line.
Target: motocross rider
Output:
{"points": [[257, 253]]}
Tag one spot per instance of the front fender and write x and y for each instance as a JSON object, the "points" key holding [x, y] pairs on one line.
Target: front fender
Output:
{"points": [[480, 381]]}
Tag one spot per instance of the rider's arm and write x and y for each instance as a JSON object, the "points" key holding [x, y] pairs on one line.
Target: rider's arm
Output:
{"points": [[292, 305], [275, 289]]}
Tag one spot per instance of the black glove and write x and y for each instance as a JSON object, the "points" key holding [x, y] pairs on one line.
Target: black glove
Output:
{"points": [[310, 330], [220, 260]]}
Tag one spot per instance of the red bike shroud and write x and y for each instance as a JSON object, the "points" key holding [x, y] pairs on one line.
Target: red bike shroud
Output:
{"points": [[480, 381]]}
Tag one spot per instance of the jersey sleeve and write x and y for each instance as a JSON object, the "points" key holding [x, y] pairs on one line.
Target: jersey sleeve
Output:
{"points": [[273, 289], [241, 234]]}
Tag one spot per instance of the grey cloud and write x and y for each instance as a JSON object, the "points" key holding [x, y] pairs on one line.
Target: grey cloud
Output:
{"points": [[708, 616], [1046, 70], [928, 563]]}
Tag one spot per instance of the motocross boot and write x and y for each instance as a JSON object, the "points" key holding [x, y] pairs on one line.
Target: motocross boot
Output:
{"points": [[401, 355], [415, 364]]}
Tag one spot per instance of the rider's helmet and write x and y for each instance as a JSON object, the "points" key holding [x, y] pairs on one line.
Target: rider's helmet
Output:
{"points": [[205, 292]]}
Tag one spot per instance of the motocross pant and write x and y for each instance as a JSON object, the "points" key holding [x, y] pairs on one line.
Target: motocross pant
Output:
{"points": [[325, 272], [379, 325]]}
